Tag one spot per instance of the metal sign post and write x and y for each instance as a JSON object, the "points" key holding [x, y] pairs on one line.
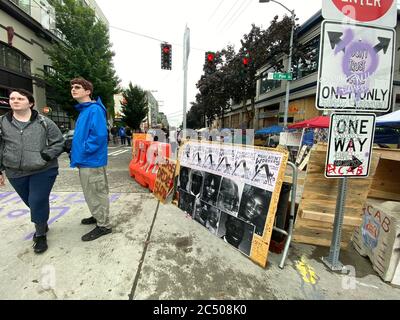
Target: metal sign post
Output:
{"points": [[332, 261]]}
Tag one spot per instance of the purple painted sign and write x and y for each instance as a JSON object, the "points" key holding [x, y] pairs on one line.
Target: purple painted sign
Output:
{"points": [[355, 68]]}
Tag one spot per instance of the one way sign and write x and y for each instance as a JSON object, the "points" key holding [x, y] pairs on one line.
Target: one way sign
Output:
{"points": [[351, 136], [355, 68]]}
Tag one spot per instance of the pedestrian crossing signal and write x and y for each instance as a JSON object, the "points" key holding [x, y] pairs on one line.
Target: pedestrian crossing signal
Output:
{"points": [[166, 56]]}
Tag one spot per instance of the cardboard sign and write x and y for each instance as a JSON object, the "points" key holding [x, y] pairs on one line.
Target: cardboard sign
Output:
{"points": [[355, 68], [165, 180], [374, 12], [233, 191], [350, 143]]}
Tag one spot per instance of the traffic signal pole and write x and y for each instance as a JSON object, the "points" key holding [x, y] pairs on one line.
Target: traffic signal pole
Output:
{"points": [[186, 51], [184, 96]]}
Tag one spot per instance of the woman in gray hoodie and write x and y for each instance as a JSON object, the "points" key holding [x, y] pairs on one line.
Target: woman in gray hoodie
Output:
{"points": [[29, 146]]}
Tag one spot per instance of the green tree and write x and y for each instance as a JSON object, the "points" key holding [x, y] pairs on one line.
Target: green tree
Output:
{"points": [[134, 106], [85, 51]]}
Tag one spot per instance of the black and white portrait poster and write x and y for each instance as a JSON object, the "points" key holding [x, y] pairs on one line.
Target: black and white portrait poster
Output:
{"points": [[207, 215], [231, 191], [229, 196], [254, 207], [236, 232]]}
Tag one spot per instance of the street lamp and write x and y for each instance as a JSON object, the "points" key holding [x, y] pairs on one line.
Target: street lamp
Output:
{"points": [[290, 58]]}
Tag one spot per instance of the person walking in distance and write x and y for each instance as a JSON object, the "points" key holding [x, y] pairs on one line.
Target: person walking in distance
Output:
{"points": [[114, 133], [122, 135], [30, 144], [89, 155], [128, 132]]}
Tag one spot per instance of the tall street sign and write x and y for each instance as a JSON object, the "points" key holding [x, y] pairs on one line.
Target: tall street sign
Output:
{"points": [[355, 67]]}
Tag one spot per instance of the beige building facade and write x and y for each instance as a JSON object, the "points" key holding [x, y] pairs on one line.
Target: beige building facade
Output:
{"points": [[27, 27]]}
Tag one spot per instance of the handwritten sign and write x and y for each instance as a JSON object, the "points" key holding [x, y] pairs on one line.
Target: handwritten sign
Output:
{"points": [[164, 180]]}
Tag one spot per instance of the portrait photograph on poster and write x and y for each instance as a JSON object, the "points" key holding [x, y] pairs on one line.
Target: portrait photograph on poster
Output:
{"points": [[236, 232], [186, 202], [184, 178], [207, 215], [254, 207], [196, 182], [211, 188], [229, 196]]}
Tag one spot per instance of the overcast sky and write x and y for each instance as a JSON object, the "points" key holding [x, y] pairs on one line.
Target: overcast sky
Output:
{"points": [[213, 25]]}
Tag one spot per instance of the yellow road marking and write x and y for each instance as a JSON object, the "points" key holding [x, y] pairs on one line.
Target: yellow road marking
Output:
{"points": [[306, 271]]}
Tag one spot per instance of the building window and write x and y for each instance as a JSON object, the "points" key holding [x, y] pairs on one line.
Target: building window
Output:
{"points": [[309, 64], [14, 60], [267, 85], [24, 5]]}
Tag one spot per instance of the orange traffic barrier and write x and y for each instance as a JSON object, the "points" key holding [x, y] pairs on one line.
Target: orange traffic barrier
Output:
{"points": [[146, 174], [140, 158]]}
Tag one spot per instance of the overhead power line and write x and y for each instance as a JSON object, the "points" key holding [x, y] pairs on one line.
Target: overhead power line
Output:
{"points": [[153, 38], [234, 5], [237, 14], [215, 10]]}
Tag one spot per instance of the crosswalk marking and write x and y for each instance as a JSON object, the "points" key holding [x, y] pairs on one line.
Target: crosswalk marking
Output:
{"points": [[118, 152]]}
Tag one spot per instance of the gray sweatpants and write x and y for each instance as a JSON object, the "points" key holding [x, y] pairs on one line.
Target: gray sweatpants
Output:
{"points": [[95, 189]]}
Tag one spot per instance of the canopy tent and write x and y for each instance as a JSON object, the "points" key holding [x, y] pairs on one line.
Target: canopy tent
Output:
{"points": [[317, 122], [270, 130], [389, 120]]}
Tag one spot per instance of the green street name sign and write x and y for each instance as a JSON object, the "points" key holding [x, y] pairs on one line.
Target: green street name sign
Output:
{"points": [[280, 76]]}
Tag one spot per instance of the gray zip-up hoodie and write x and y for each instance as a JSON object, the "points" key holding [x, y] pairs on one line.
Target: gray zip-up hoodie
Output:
{"points": [[27, 151]]}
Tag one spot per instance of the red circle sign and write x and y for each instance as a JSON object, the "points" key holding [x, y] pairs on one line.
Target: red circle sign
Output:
{"points": [[364, 10]]}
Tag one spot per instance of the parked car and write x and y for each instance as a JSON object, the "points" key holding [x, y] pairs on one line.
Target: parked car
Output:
{"points": [[69, 134]]}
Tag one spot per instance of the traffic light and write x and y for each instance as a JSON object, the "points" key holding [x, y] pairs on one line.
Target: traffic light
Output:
{"points": [[245, 61], [166, 56], [209, 65], [210, 57]]}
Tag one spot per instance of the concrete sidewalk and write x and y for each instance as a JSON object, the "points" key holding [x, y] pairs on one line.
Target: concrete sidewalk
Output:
{"points": [[159, 256]]}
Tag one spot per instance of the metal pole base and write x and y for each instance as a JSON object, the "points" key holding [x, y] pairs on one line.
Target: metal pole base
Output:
{"points": [[338, 266]]}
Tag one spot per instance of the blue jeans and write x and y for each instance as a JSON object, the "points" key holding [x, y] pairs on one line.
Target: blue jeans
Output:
{"points": [[35, 190]]}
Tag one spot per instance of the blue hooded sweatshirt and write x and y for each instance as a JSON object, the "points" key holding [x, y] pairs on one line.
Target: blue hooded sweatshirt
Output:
{"points": [[89, 145]]}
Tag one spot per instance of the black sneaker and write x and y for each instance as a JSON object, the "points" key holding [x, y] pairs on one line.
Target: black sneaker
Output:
{"points": [[35, 237], [91, 220], [40, 244], [96, 233]]}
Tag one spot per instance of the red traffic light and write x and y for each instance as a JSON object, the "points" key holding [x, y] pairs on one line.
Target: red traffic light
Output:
{"points": [[166, 49], [246, 61], [210, 57]]}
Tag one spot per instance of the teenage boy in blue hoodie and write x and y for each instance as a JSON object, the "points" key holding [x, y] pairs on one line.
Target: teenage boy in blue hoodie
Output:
{"points": [[89, 155]]}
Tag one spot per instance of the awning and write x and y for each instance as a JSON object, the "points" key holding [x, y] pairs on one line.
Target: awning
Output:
{"points": [[317, 122], [389, 120], [270, 130]]}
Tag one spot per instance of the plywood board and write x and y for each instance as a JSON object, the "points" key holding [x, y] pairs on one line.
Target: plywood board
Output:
{"points": [[317, 207]]}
